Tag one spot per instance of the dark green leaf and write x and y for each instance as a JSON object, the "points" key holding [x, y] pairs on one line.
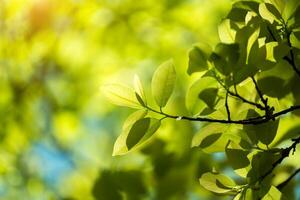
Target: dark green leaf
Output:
{"points": [[209, 96], [198, 56], [264, 133]]}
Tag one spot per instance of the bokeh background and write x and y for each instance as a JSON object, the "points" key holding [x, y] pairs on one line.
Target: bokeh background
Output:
{"points": [[57, 131]]}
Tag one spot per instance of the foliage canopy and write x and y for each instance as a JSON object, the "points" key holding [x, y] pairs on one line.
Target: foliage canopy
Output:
{"points": [[247, 88]]}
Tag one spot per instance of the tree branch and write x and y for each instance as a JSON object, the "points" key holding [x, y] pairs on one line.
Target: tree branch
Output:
{"points": [[261, 96], [253, 121], [239, 96], [284, 183], [284, 154], [227, 107]]}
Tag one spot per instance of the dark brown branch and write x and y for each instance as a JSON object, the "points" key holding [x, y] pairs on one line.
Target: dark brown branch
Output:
{"points": [[284, 154], [291, 60], [227, 107], [245, 100], [239, 96], [261, 96], [284, 183], [253, 121]]}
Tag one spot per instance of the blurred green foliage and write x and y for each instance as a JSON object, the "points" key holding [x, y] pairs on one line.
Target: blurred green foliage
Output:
{"points": [[57, 131]]}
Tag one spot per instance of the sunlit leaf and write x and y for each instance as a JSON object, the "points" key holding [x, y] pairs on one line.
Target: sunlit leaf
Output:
{"points": [[269, 12], [217, 183], [226, 34], [120, 95], [138, 87], [163, 82], [273, 194]]}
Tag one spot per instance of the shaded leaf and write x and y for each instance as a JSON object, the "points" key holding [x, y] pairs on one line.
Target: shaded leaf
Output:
{"points": [[194, 104], [198, 56], [264, 133], [141, 130]]}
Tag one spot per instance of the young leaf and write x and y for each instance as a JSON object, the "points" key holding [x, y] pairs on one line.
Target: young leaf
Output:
{"points": [[217, 183], [198, 56], [120, 95], [163, 82], [138, 87]]}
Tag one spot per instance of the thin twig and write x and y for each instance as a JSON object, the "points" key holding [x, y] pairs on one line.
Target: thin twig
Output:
{"points": [[284, 154], [265, 101], [227, 107], [292, 60], [284, 183], [239, 96]]}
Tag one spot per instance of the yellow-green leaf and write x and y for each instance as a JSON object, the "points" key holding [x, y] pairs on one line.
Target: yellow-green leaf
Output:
{"points": [[120, 95], [163, 82]]}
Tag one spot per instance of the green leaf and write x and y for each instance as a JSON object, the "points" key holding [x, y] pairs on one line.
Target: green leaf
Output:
{"points": [[163, 82], [251, 41], [194, 104], [272, 86], [217, 183], [131, 119], [239, 196], [237, 157], [120, 146], [141, 130], [209, 96], [225, 57], [273, 194], [215, 137], [290, 9], [226, 33], [137, 131], [264, 132], [138, 87], [198, 56], [237, 14], [120, 95], [269, 12], [247, 5]]}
